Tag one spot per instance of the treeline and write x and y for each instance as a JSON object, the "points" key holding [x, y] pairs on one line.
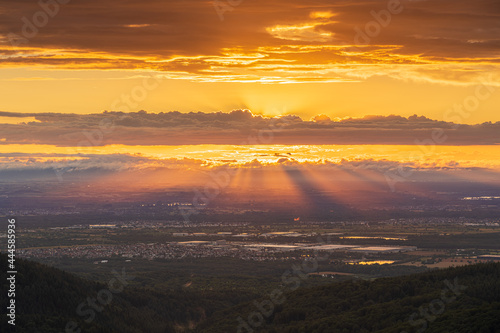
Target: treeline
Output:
{"points": [[49, 300], [464, 299]]}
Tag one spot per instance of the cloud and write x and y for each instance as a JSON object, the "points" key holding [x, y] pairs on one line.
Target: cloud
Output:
{"points": [[265, 42], [79, 162], [122, 172], [311, 31], [131, 162], [238, 127]]}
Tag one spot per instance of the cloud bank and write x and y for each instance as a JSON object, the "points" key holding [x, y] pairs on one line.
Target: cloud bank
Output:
{"points": [[238, 127]]}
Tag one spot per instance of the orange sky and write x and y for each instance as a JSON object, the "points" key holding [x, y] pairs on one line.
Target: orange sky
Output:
{"points": [[338, 58], [307, 85], [252, 156]]}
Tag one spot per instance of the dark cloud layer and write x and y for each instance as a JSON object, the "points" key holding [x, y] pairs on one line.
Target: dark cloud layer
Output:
{"points": [[237, 127], [163, 28], [188, 36]]}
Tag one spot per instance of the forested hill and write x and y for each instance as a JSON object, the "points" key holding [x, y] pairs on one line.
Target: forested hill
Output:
{"points": [[457, 300], [47, 299], [464, 299]]}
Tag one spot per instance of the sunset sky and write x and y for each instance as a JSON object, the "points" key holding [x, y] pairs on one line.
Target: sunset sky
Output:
{"points": [[292, 76], [299, 57]]}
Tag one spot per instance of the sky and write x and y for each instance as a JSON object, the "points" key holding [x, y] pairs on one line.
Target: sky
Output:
{"points": [[185, 83], [339, 58]]}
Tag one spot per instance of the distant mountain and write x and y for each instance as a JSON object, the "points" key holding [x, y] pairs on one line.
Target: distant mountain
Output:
{"points": [[459, 300]]}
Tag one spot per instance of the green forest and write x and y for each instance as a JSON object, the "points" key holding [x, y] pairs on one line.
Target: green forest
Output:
{"points": [[462, 299]]}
